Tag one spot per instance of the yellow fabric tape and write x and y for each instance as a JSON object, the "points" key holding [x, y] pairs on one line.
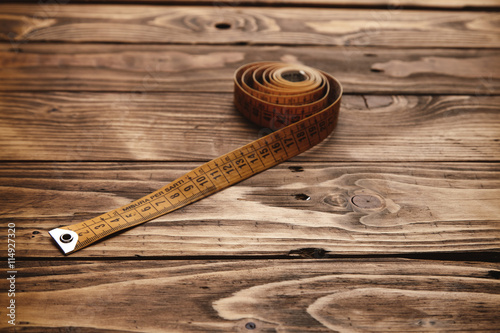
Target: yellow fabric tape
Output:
{"points": [[300, 104]]}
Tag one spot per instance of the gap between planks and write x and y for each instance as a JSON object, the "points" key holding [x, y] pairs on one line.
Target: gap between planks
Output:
{"points": [[299, 254]]}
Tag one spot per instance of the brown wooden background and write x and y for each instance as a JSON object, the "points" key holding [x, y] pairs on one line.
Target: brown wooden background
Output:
{"points": [[392, 224]]}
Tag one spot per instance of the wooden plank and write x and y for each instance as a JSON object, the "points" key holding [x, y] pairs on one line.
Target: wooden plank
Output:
{"points": [[385, 4], [341, 208], [203, 126], [261, 295], [227, 24], [138, 69]]}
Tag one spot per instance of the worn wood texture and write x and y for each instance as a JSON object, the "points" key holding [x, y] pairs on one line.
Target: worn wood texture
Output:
{"points": [[230, 25], [257, 296], [384, 4], [342, 208], [140, 69], [203, 126], [102, 103]]}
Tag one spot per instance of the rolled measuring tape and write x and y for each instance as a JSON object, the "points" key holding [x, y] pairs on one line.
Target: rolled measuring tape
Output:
{"points": [[300, 104]]}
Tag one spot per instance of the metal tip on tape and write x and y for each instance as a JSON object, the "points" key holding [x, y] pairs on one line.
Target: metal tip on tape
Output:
{"points": [[66, 239]]}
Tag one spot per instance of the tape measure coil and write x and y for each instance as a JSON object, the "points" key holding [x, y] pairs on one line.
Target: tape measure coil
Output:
{"points": [[300, 104]]}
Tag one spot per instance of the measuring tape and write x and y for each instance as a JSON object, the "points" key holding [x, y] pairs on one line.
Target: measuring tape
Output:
{"points": [[299, 103]]}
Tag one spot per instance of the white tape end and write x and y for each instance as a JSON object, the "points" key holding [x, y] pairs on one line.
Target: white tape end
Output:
{"points": [[66, 239]]}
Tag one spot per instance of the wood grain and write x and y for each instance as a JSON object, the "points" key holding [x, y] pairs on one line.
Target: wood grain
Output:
{"points": [[203, 126], [384, 4], [277, 26], [273, 295], [141, 69], [104, 102], [341, 208]]}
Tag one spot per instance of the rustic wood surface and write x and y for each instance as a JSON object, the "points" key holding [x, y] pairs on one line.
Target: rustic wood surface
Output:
{"points": [[259, 295], [378, 4], [390, 225], [163, 126], [230, 25], [147, 68], [341, 208]]}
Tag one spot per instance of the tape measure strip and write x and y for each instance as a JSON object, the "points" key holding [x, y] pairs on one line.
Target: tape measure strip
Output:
{"points": [[300, 103]]}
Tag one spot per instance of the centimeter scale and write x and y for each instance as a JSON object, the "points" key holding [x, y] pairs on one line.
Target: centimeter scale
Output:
{"points": [[300, 103]]}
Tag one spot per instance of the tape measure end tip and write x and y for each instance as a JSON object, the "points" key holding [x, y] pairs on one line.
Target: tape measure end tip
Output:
{"points": [[65, 239]]}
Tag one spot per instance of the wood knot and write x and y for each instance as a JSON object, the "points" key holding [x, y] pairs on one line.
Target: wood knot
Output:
{"points": [[365, 201]]}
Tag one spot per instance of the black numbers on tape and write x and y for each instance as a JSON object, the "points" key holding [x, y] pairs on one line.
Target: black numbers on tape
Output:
{"points": [[280, 120], [83, 233], [301, 136], [276, 147], [175, 195], [214, 174], [322, 126], [312, 130], [267, 116], [330, 121], [202, 180], [264, 152], [228, 168], [288, 142], [252, 158], [240, 163]]}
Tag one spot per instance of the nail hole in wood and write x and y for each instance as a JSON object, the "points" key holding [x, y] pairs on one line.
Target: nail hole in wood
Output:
{"points": [[223, 26], [250, 326], [302, 196], [296, 168]]}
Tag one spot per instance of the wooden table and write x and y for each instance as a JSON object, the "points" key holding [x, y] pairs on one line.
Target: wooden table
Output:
{"points": [[391, 224]]}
